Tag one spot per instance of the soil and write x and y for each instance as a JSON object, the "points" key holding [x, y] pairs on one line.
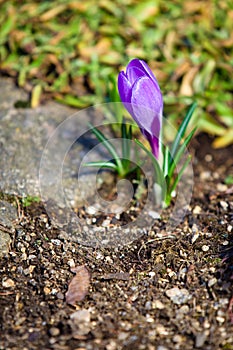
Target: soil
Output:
{"points": [[155, 294]]}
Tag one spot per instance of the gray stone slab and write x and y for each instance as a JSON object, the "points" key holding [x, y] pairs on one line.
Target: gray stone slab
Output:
{"points": [[24, 133], [8, 215]]}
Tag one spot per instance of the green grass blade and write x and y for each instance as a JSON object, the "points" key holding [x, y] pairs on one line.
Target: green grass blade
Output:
{"points": [[179, 153], [166, 160], [177, 179], [101, 164], [110, 148], [125, 150], [130, 133], [181, 131], [106, 143], [125, 147]]}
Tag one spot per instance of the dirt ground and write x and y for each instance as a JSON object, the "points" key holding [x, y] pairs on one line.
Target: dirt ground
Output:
{"points": [[152, 294]]}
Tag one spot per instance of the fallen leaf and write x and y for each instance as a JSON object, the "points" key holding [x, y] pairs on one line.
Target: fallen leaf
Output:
{"points": [[78, 286], [186, 88]]}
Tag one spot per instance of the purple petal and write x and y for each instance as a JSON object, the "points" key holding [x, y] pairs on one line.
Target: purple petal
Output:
{"points": [[124, 88], [154, 142], [134, 73], [125, 91], [142, 65], [147, 105]]}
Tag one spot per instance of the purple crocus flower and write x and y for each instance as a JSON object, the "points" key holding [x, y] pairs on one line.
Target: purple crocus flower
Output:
{"points": [[140, 93]]}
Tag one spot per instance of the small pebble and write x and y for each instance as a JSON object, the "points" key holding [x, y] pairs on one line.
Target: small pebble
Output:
{"points": [[149, 319], [212, 281], [112, 345], [151, 274], [109, 260], [221, 187], [148, 305], [183, 310], [224, 205], [31, 257], [205, 175], [60, 296], [91, 210], [161, 330], [194, 237], [197, 210], [205, 248], [157, 304], [178, 296], [81, 316], [47, 290], [122, 335], [161, 347], [154, 214], [215, 175], [208, 158], [200, 340], [220, 319], [177, 338], [56, 242], [8, 283], [54, 331], [106, 223]]}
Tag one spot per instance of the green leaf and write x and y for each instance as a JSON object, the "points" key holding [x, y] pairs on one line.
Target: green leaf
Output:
{"points": [[181, 131], [126, 135], [5, 29], [103, 139], [179, 153], [177, 179], [73, 101], [101, 164], [208, 124], [110, 148], [166, 158], [229, 180]]}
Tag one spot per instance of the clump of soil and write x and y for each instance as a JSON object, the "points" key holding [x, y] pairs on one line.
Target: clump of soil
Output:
{"points": [[169, 293]]}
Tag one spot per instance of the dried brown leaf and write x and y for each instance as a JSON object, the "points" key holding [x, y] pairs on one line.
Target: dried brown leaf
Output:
{"points": [[78, 286], [186, 88]]}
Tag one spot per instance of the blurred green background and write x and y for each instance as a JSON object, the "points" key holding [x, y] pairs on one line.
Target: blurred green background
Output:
{"points": [[72, 51]]}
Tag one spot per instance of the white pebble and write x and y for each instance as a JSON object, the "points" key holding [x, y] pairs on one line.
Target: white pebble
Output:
{"points": [[178, 296], [151, 274], [197, 210], [91, 210], [221, 187], [194, 237], [205, 248], [208, 158], [224, 205], [205, 175], [220, 319], [8, 283], [212, 281], [157, 304], [153, 214]]}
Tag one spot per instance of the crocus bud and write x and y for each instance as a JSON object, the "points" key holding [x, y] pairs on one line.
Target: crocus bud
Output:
{"points": [[140, 93]]}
